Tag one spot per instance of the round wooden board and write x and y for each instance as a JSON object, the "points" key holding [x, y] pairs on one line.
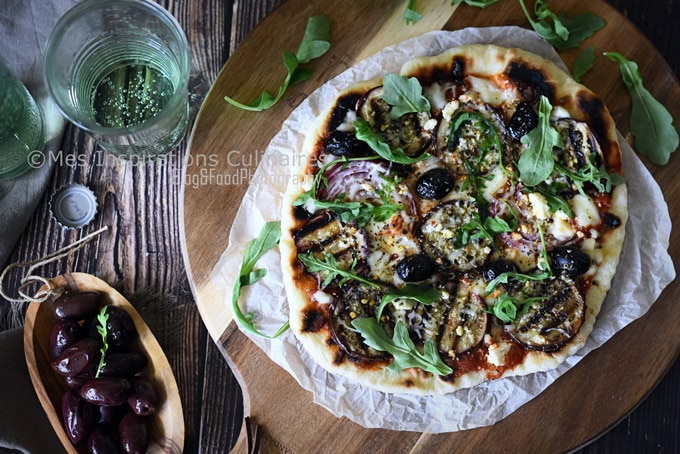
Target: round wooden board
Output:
{"points": [[582, 404]]}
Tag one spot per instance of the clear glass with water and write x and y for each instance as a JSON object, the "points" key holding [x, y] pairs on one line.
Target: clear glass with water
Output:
{"points": [[119, 69], [21, 125]]}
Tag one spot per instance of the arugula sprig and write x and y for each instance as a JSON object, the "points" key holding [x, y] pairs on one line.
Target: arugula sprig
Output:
{"points": [[102, 320], [650, 121], [590, 173], [404, 94], [256, 248], [555, 202], [315, 43], [477, 3], [563, 31], [401, 347], [411, 15], [489, 228], [505, 306], [365, 133], [583, 63], [330, 267], [537, 160]]}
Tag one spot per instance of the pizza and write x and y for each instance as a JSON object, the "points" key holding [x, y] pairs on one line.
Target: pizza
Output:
{"points": [[457, 223]]}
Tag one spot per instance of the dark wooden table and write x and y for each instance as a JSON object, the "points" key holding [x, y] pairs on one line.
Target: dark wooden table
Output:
{"points": [[141, 255]]}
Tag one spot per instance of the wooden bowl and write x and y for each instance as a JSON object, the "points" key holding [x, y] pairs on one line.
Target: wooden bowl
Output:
{"points": [[166, 428]]}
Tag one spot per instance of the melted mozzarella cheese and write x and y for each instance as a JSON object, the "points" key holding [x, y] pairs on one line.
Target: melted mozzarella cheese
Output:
{"points": [[585, 211], [436, 94], [348, 123], [560, 228], [498, 180], [497, 352], [490, 93]]}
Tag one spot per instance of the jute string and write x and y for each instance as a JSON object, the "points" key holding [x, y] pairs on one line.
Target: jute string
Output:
{"points": [[29, 278]]}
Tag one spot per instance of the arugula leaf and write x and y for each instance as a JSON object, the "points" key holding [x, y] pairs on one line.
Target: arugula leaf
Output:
{"points": [[401, 347], [583, 63], [102, 319], [564, 32], [411, 16], [650, 122], [555, 202], [404, 94], [537, 160], [315, 43], [331, 266], [256, 248], [422, 293], [477, 3], [505, 307], [589, 173], [378, 144]]}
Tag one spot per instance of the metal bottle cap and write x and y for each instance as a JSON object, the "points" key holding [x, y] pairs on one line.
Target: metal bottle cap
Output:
{"points": [[74, 206]]}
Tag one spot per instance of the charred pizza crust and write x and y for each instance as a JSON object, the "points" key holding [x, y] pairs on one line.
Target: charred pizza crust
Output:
{"points": [[498, 85]]}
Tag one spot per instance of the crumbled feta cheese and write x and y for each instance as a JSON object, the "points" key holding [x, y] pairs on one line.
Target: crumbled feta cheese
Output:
{"points": [[430, 124], [450, 109]]}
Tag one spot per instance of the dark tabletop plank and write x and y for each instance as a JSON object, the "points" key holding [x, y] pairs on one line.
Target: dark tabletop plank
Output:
{"points": [[141, 255]]}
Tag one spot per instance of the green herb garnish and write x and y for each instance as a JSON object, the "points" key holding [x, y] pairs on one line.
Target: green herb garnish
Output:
{"points": [[401, 347], [404, 94], [505, 307], [650, 122], [411, 15], [329, 266], [477, 3], [315, 43], [555, 202], [563, 31], [256, 248], [378, 144], [422, 293], [102, 320], [537, 160], [489, 134], [589, 173], [491, 226], [583, 63]]}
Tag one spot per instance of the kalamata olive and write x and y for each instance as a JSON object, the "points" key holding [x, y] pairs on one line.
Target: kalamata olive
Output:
{"points": [[416, 268], [343, 143], [522, 121], [78, 416], [435, 184], [77, 306], [78, 357], [570, 261], [124, 364], [133, 434], [111, 416], [102, 441], [120, 327], [77, 381], [64, 334], [611, 220], [106, 391], [144, 397], [495, 269]]}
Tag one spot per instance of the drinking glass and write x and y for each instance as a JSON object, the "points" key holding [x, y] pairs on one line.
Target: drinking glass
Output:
{"points": [[119, 69], [21, 125]]}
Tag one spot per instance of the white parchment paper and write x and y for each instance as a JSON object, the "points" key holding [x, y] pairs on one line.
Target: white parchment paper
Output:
{"points": [[645, 267]]}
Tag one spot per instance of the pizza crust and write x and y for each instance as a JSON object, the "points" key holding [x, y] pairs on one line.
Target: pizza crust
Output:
{"points": [[483, 61]]}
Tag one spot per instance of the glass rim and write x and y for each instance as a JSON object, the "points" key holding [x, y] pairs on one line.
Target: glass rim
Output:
{"points": [[80, 10]]}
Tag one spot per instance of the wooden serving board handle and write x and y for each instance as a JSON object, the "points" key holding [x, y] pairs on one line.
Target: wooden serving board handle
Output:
{"points": [[610, 380]]}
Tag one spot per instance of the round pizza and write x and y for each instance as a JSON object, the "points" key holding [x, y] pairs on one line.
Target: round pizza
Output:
{"points": [[456, 223]]}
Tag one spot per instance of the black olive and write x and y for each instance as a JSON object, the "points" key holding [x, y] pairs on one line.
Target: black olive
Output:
{"points": [[458, 70], [570, 260], [495, 269], [300, 213], [435, 184], [611, 220], [523, 120], [416, 268], [342, 143]]}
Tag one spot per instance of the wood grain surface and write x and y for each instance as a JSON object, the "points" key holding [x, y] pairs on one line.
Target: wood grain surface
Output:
{"points": [[142, 254]]}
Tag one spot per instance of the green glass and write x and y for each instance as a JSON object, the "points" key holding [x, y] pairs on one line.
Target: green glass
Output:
{"points": [[120, 71], [21, 125]]}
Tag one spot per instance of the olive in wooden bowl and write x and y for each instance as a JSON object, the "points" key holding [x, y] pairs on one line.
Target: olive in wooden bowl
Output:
{"points": [[135, 398]]}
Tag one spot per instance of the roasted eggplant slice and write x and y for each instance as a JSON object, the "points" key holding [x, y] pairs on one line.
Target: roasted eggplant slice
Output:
{"points": [[465, 322], [356, 301], [550, 323], [579, 145], [407, 132], [471, 136], [440, 232], [325, 233]]}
